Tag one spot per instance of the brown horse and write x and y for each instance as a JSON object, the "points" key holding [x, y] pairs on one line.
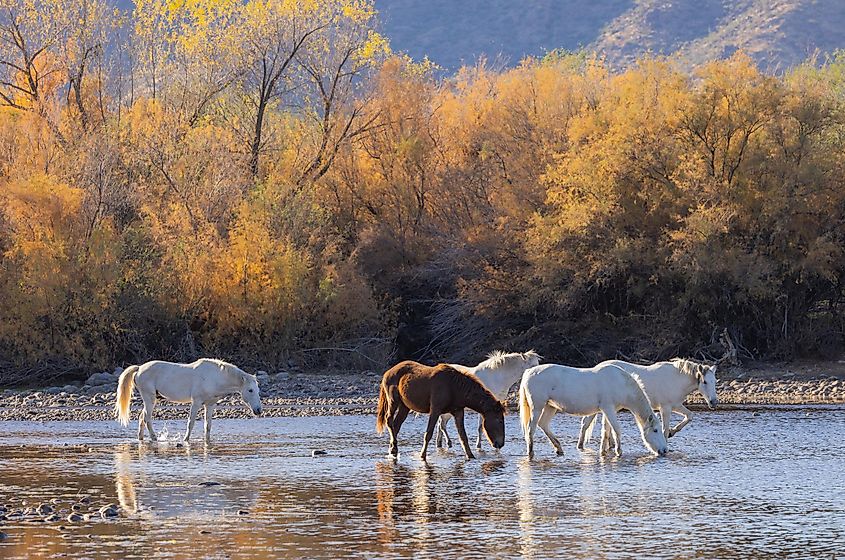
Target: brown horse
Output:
{"points": [[436, 390]]}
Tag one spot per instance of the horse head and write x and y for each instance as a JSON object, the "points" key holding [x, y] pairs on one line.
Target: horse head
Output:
{"points": [[248, 390], [531, 359], [493, 420], [653, 436], [706, 377]]}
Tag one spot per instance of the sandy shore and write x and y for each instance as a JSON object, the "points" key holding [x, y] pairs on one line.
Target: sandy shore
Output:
{"points": [[320, 394]]}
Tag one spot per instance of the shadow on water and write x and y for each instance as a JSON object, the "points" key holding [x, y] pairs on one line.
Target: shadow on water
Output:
{"points": [[733, 486]]}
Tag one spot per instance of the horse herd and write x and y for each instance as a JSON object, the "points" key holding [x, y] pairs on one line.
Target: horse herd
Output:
{"points": [[444, 391]]}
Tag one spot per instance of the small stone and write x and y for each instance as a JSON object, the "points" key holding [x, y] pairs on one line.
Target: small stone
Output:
{"points": [[76, 507], [318, 452], [3, 536], [44, 509], [209, 483], [243, 512], [108, 511], [52, 518], [205, 532], [74, 518], [85, 500]]}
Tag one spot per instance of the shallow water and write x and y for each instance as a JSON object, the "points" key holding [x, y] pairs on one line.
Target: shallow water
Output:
{"points": [[736, 484]]}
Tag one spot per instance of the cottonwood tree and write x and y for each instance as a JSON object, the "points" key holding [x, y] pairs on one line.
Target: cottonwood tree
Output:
{"points": [[335, 70], [30, 71], [186, 52], [271, 34]]}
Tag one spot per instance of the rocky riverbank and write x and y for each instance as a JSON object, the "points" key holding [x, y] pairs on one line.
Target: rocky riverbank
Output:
{"points": [[320, 394]]}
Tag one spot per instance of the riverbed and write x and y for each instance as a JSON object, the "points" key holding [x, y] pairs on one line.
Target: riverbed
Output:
{"points": [[748, 482]]}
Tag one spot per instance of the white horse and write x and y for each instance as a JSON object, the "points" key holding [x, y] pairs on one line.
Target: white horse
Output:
{"points": [[497, 373], [667, 385], [201, 383], [550, 388]]}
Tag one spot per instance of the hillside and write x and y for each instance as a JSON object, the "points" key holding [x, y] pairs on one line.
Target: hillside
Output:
{"points": [[777, 33]]}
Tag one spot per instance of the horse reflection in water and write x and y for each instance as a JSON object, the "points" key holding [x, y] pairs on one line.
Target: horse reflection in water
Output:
{"points": [[396, 486], [414, 501], [525, 496], [142, 486]]}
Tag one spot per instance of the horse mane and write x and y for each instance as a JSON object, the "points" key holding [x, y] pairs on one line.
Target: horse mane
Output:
{"points": [[642, 397], [227, 366], [691, 368], [216, 361], [473, 388], [499, 358]]}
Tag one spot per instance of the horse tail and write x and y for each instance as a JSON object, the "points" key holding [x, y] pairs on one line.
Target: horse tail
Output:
{"points": [[381, 412], [124, 394], [524, 408]]}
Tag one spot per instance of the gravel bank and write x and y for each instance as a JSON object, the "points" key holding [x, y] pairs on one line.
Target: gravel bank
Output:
{"points": [[310, 394]]}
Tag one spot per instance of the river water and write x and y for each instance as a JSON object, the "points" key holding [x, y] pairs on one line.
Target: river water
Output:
{"points": [[738, 483]]}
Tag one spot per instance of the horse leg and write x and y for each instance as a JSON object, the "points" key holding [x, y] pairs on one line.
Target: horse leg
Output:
{"points": [[209, 412], [141, 425], [607, 432], [545, 422], [586, 424], [480, 432], [532, 427], [606, 437], [462, 433], [192, 417], [149, 405], [442, 433], [666, 420], [686, 413], [395, 418], [611, 417], [433, 418]]}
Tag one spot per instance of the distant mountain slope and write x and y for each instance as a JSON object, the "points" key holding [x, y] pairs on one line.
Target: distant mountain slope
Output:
{"points": [[454, 32], [777, 33]]}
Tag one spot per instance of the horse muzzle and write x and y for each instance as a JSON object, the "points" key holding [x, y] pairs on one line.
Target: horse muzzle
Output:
{"points": [[257, 411], [713, 403], [662, 452]]}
